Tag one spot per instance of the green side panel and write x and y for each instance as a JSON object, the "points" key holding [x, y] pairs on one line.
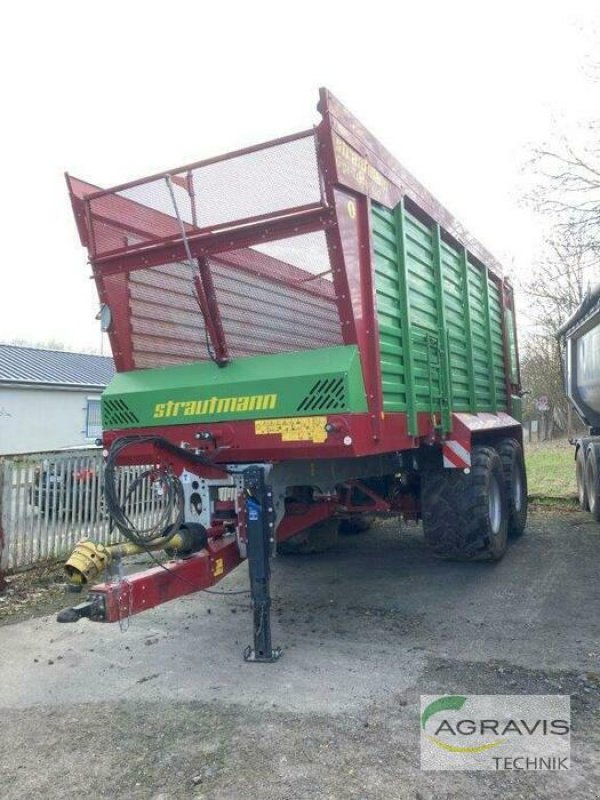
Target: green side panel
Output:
{"points": [[422, 293], [444, 339], [455, 353], [388, 290], [488, 347], [483, 400], [324, 381], [457, 324], [466, 301], [496, 325]]}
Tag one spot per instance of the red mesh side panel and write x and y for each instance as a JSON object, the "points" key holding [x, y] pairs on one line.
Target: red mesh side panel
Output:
{"points": [[272, 297], [267, 305], [117, 223], [266, 181], [166, 324]]}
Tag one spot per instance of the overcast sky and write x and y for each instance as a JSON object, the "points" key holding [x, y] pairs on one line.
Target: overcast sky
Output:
{"points": [[113, 91]]}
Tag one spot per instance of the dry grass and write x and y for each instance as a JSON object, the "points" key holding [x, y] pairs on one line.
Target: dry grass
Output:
{"points": [[34, 592]]}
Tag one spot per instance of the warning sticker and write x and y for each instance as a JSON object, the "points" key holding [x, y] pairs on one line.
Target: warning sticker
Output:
{"points": [[294, 429], [218, 567]]}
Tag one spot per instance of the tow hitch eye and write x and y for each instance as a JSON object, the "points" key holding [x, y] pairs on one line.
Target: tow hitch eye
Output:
{"points": [[93, 608]]}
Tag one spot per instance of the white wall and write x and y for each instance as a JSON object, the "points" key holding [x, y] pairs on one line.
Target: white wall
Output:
{"points": [[34, 419]]}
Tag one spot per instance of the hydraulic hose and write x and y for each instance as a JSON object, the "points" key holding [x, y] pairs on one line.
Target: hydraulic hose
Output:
{"points": [[172, 512]]}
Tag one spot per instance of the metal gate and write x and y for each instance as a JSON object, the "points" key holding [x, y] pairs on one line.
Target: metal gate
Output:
{"points": [[51, 500]]}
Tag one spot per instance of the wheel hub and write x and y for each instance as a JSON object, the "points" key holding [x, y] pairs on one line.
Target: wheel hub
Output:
{"points": [[495, 505]]}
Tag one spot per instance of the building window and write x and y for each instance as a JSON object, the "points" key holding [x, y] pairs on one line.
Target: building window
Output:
{"points": [[93, 418]]}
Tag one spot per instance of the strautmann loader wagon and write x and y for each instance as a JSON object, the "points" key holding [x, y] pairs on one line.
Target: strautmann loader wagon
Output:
{"points": [[302, 335]]}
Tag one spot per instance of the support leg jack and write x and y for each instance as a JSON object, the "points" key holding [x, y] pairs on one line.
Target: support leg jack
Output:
{"points": [[260, 531]]}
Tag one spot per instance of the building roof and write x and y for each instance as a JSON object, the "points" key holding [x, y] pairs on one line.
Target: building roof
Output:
{"points": [[32, 365]]}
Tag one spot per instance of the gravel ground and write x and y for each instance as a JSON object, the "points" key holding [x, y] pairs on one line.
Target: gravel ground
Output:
{"points": [[169, 710]]}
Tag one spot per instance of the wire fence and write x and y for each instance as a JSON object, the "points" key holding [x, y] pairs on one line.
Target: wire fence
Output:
{"points": [[51, 500]]}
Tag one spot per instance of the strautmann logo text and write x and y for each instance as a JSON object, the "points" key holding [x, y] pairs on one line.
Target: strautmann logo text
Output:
{"points": [[495, 732], [215, 405]]}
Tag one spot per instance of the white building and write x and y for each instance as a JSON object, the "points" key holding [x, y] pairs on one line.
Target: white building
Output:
{"points": [[49, 399]]}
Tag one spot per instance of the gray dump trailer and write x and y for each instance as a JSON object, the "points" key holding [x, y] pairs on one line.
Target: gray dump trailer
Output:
{"points": [[581, 339]]}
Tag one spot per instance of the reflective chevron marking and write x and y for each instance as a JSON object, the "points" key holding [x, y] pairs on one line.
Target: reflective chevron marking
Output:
{"points": [[455, 455]]}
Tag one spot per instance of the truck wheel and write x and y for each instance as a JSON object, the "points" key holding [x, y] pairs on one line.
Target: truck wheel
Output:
{"points": [[580, 478], [515, 481], [592, 485], [316, 539], [358, 523], [465, 517]]}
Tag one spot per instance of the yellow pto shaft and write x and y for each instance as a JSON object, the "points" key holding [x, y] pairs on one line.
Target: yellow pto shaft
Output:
{"points": [[89, 559]]}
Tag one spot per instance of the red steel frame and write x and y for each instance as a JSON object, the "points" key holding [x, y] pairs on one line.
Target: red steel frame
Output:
{"points": [[151, 587]]}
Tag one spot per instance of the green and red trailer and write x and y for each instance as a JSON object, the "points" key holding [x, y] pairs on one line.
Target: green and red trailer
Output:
{"points": [[304, 337]]}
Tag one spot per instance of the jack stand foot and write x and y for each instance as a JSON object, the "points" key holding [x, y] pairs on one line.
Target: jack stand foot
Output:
{"points": [[251, 655]]}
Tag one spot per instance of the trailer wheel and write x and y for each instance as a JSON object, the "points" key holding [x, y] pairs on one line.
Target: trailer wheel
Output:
{"points": [[316, 539], [592, 484], [580, 478], [465, 516], [515, 480]]}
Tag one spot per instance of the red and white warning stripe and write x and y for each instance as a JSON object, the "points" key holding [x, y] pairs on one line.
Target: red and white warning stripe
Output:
{"points": [[455, 455]]}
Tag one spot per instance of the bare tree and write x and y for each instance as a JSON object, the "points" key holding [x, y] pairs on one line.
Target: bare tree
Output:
{"points": [[557, 285], [567, 193], [541, 372]]}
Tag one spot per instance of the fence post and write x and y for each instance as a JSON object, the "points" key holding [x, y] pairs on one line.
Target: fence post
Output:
{"points": [[3, 548]]}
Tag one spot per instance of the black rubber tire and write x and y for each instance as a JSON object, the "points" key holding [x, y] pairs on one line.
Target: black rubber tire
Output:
{"points": [[515, 479], [358, 523], [592, 484], [580, 478], [316, 539], [465, 516]]}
